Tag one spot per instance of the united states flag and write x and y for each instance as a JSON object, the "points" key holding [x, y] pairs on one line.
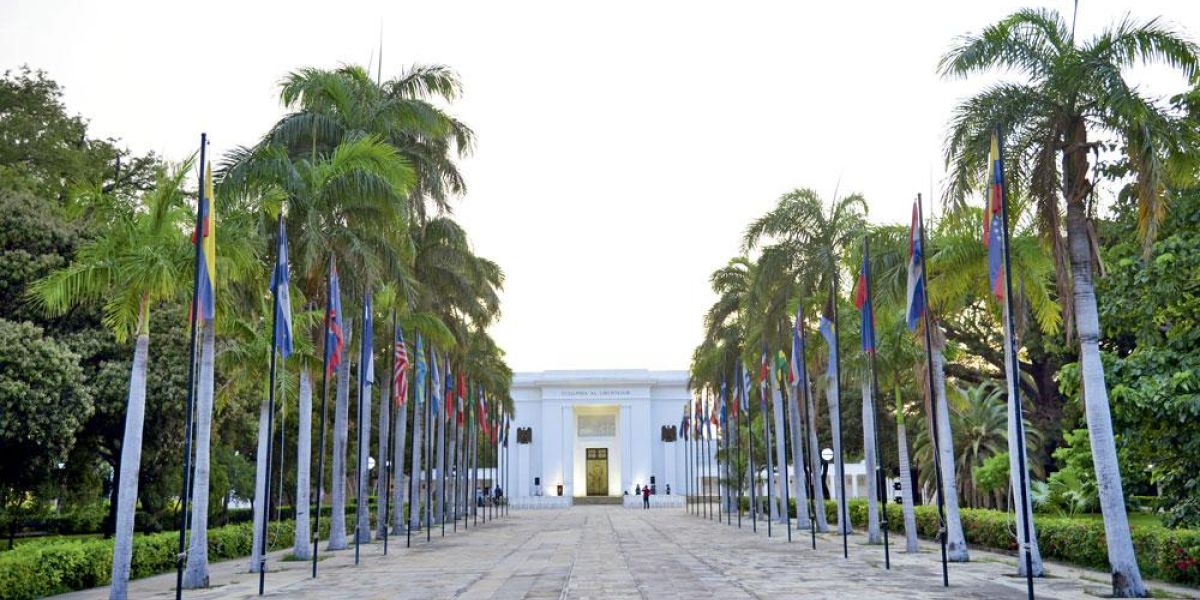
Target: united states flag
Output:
{"points": [[400, 370]]}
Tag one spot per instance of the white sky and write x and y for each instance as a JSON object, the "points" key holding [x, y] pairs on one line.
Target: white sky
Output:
{"points": [[622, 146]]}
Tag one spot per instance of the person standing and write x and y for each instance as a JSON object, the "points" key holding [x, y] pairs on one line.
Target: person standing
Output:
{"points": [[646, 497]]}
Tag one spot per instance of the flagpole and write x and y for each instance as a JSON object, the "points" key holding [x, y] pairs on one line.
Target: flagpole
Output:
{"points": [[880, 479], [708, 457], [1014, 391], [780, 427], [184, 496], [933, 401], [324, 398], [262, 564], [386, 450], [750, 459], [428, 512], [414, 491], [363, 358], [764, 385], [843, 501], [475, 466], [810, 503], [442, 451], [738, 430], [454, 459]]}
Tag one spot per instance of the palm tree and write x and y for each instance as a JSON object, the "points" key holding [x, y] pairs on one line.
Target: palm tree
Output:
{"points": [[335, 106], [140, 261], [1072, 90], [814, 236]]}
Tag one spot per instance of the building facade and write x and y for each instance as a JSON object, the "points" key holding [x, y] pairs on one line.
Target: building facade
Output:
{"points": [[597, 432]]}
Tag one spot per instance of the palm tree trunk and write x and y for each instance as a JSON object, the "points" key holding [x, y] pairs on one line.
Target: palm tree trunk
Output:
{"points": [[400, 429], [956, 543], [362, 525], [832, 392], [439, 499], [906, 481], [874, 535], [196, 573], [260, 487], [814, 456], [302, 549], [1015, 466], [382, 492], [414, 497], [341, 434], [131, 458], [1126, 577], [799, 487], [780, 451]]}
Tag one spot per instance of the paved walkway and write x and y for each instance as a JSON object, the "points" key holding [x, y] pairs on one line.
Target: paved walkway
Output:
{"points": [[609, 552]]}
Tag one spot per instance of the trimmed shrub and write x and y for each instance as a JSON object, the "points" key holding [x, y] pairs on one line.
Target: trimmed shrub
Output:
{"points": [[1164, 554]]}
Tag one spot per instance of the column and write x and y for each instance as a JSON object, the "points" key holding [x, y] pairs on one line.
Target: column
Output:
{"points": [[568, 442], [625, 432]]}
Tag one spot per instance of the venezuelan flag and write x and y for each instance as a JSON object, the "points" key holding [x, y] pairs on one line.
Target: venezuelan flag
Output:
{"points": [[206, 291], [993, 230]]}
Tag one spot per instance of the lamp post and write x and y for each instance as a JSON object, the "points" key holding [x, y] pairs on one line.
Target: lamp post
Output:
{"points": [[826, 458]]}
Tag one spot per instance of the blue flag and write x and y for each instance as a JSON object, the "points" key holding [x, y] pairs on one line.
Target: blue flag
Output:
{"points": [[422, 371], [916, 270], [435, 379], [334, 337], [366, 354], [826, 329], [279, 286]]}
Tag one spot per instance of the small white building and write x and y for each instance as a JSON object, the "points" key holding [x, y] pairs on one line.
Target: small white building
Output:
{"points": [[596, 432]]}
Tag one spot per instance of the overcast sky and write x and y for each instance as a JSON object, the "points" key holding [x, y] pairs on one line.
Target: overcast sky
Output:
{"points": [[622, 146]]}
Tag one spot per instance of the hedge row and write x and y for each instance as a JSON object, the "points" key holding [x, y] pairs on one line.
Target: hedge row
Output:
{"points": [[41, 570], [1164, 554]]}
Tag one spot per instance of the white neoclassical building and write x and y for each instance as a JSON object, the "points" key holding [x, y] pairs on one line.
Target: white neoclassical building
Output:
{"points": [[596, 432]]}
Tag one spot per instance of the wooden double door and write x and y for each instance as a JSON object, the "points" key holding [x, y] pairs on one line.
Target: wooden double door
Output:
{"points": [[597, 471]]}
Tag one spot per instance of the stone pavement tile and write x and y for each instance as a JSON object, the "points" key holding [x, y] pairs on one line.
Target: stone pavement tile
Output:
{"points": [[609, 552]]}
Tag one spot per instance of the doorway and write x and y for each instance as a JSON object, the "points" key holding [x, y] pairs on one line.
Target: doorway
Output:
{"points": [[597, 471]]}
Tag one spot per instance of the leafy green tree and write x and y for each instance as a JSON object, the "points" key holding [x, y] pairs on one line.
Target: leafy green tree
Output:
{"points": [[1070, 90], [43, 402], [41, 143], [1150, 310]]}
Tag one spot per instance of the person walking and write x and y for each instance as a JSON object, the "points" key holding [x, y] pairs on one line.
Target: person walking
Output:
{"points": [[646, 497]]}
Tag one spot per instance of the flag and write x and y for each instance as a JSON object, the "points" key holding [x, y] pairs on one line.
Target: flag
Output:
{"points": [[483, 413], [993, 229], [684, 424], [206, 237], [797, 349], [334, 339], [862, 300], [400, 369], [699, 412], [736, 406], [435, 379], [283, 302], [506, 428], [916, 266], [449, 390], [724, 403], [366, 352], [459, 396], [764, 372], [421, 371], [746, 387], [826, 328]]}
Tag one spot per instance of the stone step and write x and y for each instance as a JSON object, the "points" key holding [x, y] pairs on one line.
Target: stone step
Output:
{"points": [[597, 500]]}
